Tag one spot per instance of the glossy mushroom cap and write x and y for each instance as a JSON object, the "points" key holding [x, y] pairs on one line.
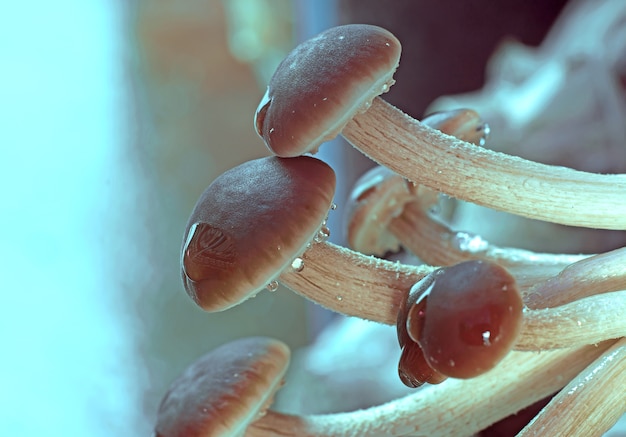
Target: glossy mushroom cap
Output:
{"points": [[250, 224], [472, 316], [225, 390], [322, 84], [413, 369]]}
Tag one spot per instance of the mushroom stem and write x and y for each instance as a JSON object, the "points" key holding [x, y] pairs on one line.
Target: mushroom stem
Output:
{"points": [[455, 407], [596, 274], [590, 404], [354, 284], [496, 180], [585, 321], [437, 244]]}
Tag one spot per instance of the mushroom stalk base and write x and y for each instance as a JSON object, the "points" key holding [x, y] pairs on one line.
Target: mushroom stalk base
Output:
{"points": [[482, 176]]}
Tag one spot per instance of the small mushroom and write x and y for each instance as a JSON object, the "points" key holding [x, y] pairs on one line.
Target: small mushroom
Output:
{"points": [[374, 212], [224, 391], [465, 318], [259, 222], [324, 86], [461, 321]]}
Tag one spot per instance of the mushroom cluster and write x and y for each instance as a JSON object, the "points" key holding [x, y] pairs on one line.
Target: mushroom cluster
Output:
{"points": [[496, 329]]}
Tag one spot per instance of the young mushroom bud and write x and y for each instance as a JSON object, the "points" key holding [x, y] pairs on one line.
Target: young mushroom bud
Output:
{"points": [[465, 318], [224, 391]]}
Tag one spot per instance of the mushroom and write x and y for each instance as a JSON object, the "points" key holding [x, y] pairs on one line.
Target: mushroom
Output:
{"points": [[455, 407], [465, 318], [325, 86], [222, 392], [259, 222], [379, 197]]}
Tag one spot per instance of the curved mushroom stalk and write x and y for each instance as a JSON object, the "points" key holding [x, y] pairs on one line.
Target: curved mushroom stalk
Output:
{"points": [[455, 407], [436, 243], [325, 86], [590, 404], [496, 180]]}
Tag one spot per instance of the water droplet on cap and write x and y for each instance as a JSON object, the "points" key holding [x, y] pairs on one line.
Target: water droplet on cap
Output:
{"points": [[297, 265], [272, 286], [261, 112]]}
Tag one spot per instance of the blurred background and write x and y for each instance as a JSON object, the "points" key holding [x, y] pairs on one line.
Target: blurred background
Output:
{"points": [[116, 115]]}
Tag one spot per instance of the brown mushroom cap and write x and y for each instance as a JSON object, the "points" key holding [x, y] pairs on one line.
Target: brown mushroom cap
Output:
{"points": [[472, 317], [250, 224], [378, 196], [322, 84], [225, 390]]}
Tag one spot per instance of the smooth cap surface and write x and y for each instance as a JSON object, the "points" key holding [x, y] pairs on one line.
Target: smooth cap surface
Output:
{"points": [[250, 224], [472, 316], [225, 390], [322, 84]]}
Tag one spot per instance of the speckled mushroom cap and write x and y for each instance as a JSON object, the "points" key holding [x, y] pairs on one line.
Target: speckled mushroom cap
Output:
{"points": [[225, 390], [250, 224], [322, 84]]}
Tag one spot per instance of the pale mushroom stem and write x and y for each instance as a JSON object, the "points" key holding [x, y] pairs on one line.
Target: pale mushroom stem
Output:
{"points": [[455, 407], [585, 321], [464, 171], [354, 284], [591, 403], [596, 274], [436, 243]]}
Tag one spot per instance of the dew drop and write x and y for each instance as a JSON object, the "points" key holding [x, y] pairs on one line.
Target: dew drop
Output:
{"points": [[261, 112], [333, 206], [272, 286], [471, 243], [486, 130], [297, 265], [322, 234], [207, 250], [486, 338], [339, 297]]}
